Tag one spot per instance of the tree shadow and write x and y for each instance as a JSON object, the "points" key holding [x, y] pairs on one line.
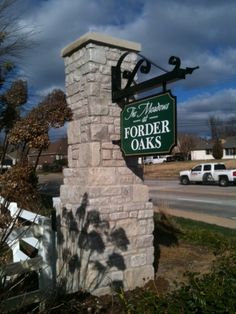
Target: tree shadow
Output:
{"points": [[165, 234], [132, 164], [91, 248]]}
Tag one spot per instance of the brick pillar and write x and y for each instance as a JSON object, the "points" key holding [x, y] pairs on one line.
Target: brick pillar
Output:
{"points": [[105, 220]]}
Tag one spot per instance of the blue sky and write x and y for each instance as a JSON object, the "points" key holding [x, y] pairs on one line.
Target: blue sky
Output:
{"points": [[199, 32]]}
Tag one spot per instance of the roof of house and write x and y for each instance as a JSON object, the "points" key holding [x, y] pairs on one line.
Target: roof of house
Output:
{"points": [[55, 148], [203, 144], [229, 142]]}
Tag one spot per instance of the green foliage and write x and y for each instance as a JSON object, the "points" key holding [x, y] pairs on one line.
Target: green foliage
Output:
{"points": [[213, 292], [200, 233]]}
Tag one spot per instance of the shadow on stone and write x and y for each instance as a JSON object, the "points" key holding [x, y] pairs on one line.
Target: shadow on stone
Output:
{"points": [[91, 249], [132, 164]]}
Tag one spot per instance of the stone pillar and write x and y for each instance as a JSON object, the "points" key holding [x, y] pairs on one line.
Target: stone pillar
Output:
{"points": [[105, 233]]}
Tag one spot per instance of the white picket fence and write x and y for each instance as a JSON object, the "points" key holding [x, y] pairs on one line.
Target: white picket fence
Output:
{"points": [[38, 234]]}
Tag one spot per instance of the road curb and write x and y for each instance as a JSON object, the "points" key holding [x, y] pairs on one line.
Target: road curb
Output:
{"points": [[213, 220]]}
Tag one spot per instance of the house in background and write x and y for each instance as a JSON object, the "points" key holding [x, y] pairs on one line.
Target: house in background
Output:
{"points": [[55, 151], [203, 150], [11, 157]]}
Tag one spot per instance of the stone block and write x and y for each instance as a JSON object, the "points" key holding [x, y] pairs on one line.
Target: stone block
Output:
{"points": [[147, 213], [68, 172], [80, 112], [98, 110], [143, 241], [134, 206], [126, 179], [73, 132], [150, 258], [99, 201], [99, 132], [117, 154], [106, 79], [118, 216], [116, 276], [140, 193], [137, 277], [88, 154], [107, 120], [113, 55], [150, 226], [101, 175], [111, 190], [114, 137], [84, 137], [95, 154], [97, 55], [131, 227], [115, 111], [106, 154], [133, 214], [71, 193], [138, 260], [83, 155], [111, 128], [89, 67], [92, 89], [107, 145]]}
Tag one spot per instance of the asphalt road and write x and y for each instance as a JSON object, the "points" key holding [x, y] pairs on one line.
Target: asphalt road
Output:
{"points": [[203, 199]]}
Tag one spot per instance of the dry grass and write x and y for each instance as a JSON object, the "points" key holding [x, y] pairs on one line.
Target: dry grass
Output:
{"points": [[172, 169]]}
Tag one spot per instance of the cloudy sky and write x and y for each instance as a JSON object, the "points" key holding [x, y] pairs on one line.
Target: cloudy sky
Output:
{"points": [[199, 32]]}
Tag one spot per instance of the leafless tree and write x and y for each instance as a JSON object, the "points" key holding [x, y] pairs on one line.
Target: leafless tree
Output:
{"points": [[186, 143], [14, 38], [222, 128]]}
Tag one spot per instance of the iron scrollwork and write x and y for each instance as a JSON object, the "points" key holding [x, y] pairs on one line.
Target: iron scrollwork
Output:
{"points": [[143, 65]]}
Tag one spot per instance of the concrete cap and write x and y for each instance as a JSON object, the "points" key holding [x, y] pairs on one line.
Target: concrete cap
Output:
{"points": [[100, 39]]}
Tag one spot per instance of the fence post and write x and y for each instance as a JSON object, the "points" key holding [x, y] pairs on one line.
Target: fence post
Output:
{"points": [[47, 250]]}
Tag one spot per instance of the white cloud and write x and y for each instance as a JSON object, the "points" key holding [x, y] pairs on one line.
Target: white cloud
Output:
{"points": [[194, 113], [199, 32]]}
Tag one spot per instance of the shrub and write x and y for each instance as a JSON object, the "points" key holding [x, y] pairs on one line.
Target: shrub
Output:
{"points": [[217, 150]]}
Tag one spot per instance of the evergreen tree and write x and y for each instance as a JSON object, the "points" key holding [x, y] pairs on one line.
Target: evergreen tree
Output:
{"points": [[217, 150]]}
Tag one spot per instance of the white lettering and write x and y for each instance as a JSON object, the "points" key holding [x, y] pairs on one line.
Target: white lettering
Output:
{"points": [[127, 132], [158, 141], [148, 129], [132, 113], [146, 143], [133, 131], [149, 143], [164, 126], [141, 144], [148, 108], [134, 144], [156, 127], [141, 130], [143, 110]]}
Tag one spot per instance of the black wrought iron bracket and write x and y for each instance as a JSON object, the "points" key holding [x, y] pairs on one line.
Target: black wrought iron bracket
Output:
{"points": [[120, 94]]}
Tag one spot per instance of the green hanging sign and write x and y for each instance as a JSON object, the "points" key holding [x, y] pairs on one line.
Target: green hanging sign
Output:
{"points": [[148, 126]]}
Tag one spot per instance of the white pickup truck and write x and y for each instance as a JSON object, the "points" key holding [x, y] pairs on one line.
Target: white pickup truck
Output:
{"points": [[208, 173]]}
